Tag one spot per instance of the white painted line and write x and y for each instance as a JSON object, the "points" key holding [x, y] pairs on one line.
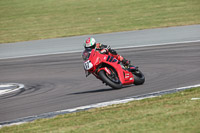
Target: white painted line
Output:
{"points": [[35, 55], [4, 91], [76, 51], [10, 90], [12, 124], [103, 104], [195, 98], [192, 86], [158, 44], [5, 85]]}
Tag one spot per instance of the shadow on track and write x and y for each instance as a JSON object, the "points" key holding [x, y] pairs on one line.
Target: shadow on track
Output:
{"points": [[99, 90], [93, 91]]}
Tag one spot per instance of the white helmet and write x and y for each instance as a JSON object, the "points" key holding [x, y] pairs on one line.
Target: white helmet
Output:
{"points": [[90, 43]]}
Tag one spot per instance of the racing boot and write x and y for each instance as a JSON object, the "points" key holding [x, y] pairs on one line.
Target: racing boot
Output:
{"points": [[126, 63]]}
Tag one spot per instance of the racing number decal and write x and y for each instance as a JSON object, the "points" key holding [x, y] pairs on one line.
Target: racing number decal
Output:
{"points": [[88, 65]]}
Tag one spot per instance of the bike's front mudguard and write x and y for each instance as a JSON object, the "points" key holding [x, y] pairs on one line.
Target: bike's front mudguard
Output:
{"points": [[125, 76], [105, 69]]}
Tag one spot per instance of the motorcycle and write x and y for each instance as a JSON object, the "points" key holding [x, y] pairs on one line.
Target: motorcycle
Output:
{"points": [[109, 70]]}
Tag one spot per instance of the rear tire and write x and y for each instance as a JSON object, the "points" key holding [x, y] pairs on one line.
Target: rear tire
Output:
{"points": [[104, 78], [139, 78]]}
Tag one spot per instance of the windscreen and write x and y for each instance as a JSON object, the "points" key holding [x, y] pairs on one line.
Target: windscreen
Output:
{"points": [[86, 54]]}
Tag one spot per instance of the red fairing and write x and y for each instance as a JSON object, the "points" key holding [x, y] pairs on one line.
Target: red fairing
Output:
{"points": [[97, 62]]}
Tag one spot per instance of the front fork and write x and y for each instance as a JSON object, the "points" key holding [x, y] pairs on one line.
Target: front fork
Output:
{"points": [[87, 73]]}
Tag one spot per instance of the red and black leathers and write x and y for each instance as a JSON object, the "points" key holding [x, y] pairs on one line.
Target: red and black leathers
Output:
{"points": [[105, 49]]}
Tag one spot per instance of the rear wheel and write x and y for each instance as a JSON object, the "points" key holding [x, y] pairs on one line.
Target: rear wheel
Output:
{"points": [[138, 77], [110, 79]]}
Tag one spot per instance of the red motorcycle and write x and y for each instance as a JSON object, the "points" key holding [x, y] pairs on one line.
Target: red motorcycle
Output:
{"points": [[108, 69]]}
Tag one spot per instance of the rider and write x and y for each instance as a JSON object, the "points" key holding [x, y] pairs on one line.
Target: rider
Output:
{"points": [[105, 49]]}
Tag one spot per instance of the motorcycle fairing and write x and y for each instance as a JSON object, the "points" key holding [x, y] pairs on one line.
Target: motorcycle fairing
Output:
{"points": [[125, 76]]}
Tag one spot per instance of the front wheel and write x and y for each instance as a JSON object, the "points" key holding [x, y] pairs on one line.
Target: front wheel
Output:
{"points": [[138, 77], [112, 81]]}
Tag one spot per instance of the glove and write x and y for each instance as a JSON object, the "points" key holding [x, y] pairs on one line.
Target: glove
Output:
{"points": [[112, 51], [126, 62], [103, 51], [108, 47]]}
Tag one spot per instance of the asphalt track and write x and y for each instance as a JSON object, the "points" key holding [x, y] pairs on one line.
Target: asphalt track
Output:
{"points": [[57, 82], [116, 40]]}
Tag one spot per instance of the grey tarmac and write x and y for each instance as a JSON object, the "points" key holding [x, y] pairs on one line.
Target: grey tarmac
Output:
{"points": [[116, 40], [58, 82]]}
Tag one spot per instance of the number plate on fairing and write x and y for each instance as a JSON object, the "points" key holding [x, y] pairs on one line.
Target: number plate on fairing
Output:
{"points": [[88, 65]]}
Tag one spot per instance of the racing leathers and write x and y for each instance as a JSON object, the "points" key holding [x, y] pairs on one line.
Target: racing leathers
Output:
{"points": [[106, 49]]}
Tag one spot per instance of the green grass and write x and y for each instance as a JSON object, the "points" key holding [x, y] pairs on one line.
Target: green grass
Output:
{"points": [[22, 20], [172, 113]]}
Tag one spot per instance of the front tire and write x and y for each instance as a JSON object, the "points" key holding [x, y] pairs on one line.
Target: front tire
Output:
{"points": [[105, 78]]}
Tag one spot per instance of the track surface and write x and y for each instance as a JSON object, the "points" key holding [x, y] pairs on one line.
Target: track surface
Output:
{"points": [[117, 39], [57, 82]]}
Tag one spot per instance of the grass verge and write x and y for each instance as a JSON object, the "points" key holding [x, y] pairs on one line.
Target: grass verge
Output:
{"points": [[168, 113], [23, 20]]}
